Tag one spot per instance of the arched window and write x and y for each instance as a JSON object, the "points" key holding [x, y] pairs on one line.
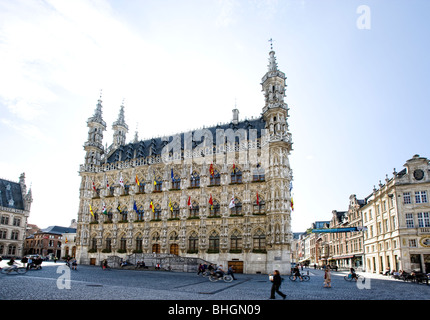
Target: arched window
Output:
{"points": [[213, 242], [109, 216], [157, 212], [236, 175], [237, 209], [194, 210], [193, 243], [175, 211], [158, 184], [259, 241], [176, 182], [258, 174], [140, 214], [214, 210], [108, 244], [173, 236], [124, 215], [259, 206], [215, 179], [236, 241], [155, 242], [123, 243], [93, 244], [195, 180], [139, 242]]}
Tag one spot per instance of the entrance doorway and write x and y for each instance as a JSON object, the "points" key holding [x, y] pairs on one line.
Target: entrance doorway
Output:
{"points": [[174, 248], [237, 266]]}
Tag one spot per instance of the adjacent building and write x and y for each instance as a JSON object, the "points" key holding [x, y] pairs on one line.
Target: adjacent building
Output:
{"points": [[392, 227], [15, 203]]}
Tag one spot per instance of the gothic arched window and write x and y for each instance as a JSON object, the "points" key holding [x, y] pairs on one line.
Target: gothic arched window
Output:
{"points": [[259, 241], [157, 212], [236, 241], [259, 206], [194, 210], [193, 243], [236, 175], [215, 179], [214, 210], [237, 209], [176, 182], [195, 180], [214, 242]]}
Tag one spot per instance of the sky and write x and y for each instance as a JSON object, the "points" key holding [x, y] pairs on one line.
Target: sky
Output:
{"points": [[357, 77]]}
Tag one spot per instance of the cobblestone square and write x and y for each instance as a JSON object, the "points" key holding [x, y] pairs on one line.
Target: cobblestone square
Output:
{"points": [[57, 282]]}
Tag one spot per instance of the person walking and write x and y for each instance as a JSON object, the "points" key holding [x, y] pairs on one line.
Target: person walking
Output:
{"points": [[327, 278], [276, 284]]}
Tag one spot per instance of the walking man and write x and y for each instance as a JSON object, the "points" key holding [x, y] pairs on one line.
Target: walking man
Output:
{"points": [[276, 284]]}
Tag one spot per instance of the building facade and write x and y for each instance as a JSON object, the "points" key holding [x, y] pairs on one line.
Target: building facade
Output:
{"points": [[397, 219], [15, 203], [220, 193], [393, 227], [48, 242]]}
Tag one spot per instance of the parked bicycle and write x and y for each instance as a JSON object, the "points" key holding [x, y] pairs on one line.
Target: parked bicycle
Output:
{"points": [[303, 277]]}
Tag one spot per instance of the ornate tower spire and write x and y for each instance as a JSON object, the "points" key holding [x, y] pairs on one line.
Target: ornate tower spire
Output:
{"points": [[275, 110], [120, 129], [94, 144]]}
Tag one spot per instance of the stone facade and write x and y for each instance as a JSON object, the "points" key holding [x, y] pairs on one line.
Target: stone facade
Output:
{"points": [[15, 203], [219, 193], [395, 219]]}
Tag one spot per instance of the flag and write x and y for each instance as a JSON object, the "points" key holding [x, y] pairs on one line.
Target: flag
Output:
{"points": [[231, 205], [119, 208], [66, 240], [121, 182], [258, 200], [211, 202], [135, 207], [234, 168], [171, 175], [104, 210], [137, 181], [211, 169], [292, 204], [151, 206], [191, 171], [170, 205], [155, 182], [91, 211], [189, 202], [107, 183], [94, 186], [291, 186]]}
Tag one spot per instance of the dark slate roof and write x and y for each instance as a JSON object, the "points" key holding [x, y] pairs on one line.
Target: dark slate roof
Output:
{"points": [[11, 195], [58, 230], [156, 145]]}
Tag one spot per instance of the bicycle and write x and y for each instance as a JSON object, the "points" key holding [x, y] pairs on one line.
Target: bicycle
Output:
{"points": [[304, 277], [351, 277], [215, 278], [16, 270]]}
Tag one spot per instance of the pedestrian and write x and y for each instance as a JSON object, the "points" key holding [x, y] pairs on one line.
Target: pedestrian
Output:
{"points": [[201, 269], [230, 271], [276, 284], [327, 278]]}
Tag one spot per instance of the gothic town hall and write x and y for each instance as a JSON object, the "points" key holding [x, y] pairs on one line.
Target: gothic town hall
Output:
{"points": [[221, 194]]}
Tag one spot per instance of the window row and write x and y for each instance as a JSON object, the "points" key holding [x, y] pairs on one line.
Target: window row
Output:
{"points": [[259, 207], [418, 196], [9, 250], [214, 180], [235, 242], [5, 219], [14, 235]]}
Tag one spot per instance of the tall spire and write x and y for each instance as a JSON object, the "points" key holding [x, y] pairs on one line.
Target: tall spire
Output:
{"points": [[94, 144], [120, 128]]}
